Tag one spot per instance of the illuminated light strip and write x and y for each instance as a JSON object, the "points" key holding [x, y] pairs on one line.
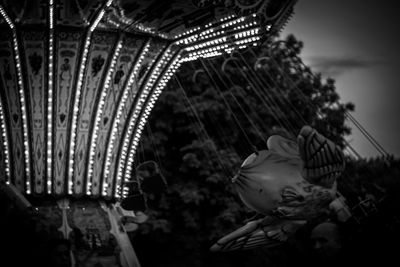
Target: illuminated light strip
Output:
{"points": [[173, 67], [248, 25], [208, 39], [213, 54], [75, 110], [51, 13], [215, 51], [2, 121], [153, 78], [228, 17], [201, 36], [231, 21], [6, 17], [115, 24], [3, 131], [149, 84], [207, 43], [248, 40], [22, 101], [193, 36], [207, 32], [99, 112], [236, 33], [251, 32], [153, 99], [197, 50], [100, 16], [210, 50], [50, 98], [121, 105], [24, 115], [188, 32]]}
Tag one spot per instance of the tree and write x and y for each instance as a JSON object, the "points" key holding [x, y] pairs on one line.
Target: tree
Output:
{"points": [[207, 121]]}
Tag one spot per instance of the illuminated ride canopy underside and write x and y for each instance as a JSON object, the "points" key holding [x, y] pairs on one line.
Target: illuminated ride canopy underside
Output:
{"points": [[78, 80]]}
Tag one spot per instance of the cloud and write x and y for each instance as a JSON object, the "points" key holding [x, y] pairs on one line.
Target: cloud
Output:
{"points": [[334, 67]]}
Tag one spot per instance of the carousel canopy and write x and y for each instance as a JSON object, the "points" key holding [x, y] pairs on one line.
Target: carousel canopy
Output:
{"points": [[79, 78]]}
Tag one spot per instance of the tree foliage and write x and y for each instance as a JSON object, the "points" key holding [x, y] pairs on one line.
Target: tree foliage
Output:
{"points": [[207, 121]]}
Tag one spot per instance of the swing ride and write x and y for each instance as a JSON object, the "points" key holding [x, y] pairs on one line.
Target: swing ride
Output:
{"points": [[103, 69], [78, 82], [290, 183]]}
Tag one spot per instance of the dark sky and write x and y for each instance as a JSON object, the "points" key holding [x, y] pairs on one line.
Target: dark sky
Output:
{"points": [[357, 43]]}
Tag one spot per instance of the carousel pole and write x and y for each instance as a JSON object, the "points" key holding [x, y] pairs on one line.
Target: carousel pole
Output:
{"points": [[127, 255]]}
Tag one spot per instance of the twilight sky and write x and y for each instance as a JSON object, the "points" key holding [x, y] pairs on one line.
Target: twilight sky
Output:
{"points": [[357, 42]]}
